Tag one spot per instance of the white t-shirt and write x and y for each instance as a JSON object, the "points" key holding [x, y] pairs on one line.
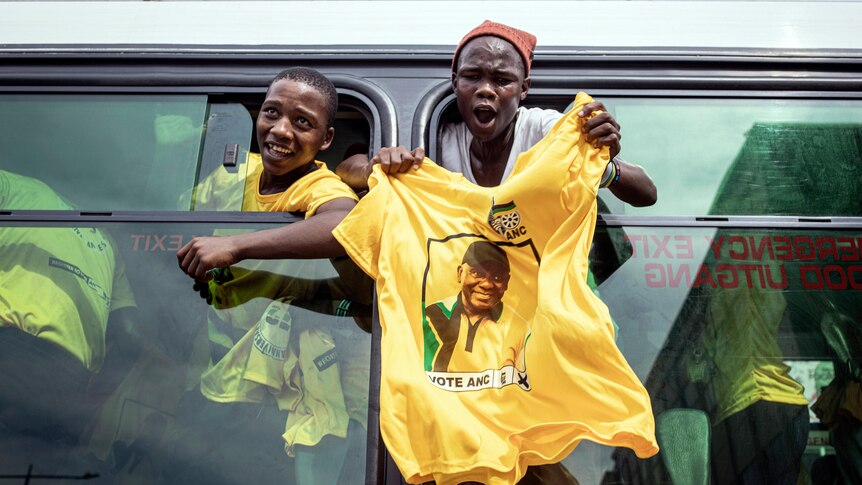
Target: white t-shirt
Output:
{"points": [[531, 125]]}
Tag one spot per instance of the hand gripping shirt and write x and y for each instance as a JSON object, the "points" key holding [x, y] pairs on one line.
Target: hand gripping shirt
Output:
{"points": [[516, 256]]}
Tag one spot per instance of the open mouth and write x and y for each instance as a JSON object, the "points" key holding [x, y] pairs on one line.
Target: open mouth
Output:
{"points": [[279, 151], [484, 114]]}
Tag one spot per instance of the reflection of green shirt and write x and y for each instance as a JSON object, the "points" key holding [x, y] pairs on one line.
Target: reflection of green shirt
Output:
{"points": [[58, 283], [741, 339]]}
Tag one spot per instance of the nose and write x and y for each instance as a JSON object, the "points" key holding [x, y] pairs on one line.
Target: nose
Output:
{"points": [[485, 282], [281, 128], [485, 90]]}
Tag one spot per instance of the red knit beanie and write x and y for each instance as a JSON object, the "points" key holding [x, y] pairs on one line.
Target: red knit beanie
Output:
{"points": [[524, 42]]}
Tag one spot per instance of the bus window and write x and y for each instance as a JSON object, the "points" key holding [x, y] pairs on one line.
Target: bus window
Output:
{"points": [[105, 152], [745, 157], [115, 363]]}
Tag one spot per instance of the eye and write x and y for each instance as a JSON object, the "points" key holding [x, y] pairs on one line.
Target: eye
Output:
{"points": [[303, 120], [503, 81], [270, 112]]}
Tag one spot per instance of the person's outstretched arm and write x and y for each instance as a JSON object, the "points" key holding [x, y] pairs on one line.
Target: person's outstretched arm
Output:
{"points": [[308, 239], [635, 187]]}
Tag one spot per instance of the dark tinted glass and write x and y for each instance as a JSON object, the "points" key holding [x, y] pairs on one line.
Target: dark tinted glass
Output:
{"points": [[736, 334], [113, 364]]}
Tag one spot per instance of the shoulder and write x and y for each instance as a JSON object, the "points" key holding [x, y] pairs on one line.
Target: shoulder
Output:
{"points": [[324, 179], [313, 190], [21, 192], [442, 308]]}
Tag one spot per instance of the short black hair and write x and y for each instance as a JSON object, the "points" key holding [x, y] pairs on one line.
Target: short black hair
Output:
{"points": [[318, 81]]}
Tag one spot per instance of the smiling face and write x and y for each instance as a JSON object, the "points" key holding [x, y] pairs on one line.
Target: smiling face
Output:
{"points": [[482, 286], [489, 84], [293, 125]]}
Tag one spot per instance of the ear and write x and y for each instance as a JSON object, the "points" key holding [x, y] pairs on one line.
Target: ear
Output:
{"points": [[453, 80], [525, 86], [460, 272], [327, 140]]}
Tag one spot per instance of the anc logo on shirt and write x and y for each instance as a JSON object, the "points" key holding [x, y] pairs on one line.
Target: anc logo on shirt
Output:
{"points": [[505, 219]]}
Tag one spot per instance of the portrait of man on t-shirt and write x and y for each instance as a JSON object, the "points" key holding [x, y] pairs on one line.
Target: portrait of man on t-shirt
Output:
{"points": [[462, 320]]}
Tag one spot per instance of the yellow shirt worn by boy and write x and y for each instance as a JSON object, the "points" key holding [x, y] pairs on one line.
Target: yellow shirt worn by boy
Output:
{"points": [[253, 320], [570, 381], [58, 283]]}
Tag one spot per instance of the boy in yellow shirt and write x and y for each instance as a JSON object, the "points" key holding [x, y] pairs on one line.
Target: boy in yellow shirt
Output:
{"points": [[295, 123]]}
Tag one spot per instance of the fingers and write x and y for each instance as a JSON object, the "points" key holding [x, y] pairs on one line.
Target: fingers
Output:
{"points": [[610, 141], [603, 118], [185, 256], [590, 108], [190, 261], [203, 289], [418, 157], [603, 135], [200, 270], [393, 160], [602, 130]]}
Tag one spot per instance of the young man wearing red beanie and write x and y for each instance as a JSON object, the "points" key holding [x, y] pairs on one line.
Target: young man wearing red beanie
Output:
{"points": [[490, 77]]}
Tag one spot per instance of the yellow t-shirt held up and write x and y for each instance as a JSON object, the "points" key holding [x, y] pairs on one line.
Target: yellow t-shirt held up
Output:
{"points": [[431, 239]]}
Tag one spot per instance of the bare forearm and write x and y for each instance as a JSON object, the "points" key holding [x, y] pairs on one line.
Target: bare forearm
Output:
{"points": [[311, 238], [307, 239], [635, 186], [354, 172]]}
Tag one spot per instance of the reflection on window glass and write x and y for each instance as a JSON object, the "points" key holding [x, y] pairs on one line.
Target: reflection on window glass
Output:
{"points": [[743, 157], [114, 362], [750, 344], [105, 152], [223, 167]]}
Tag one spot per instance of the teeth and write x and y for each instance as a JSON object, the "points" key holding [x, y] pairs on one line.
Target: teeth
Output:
{"points": [[279, 149]]}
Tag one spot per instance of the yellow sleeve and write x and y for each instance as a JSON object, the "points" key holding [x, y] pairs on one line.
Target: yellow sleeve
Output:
{"points": [[327, 189], [361, 231]]}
